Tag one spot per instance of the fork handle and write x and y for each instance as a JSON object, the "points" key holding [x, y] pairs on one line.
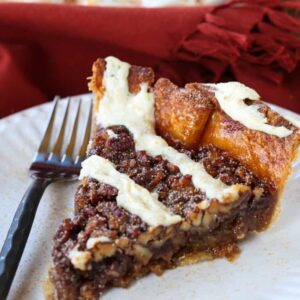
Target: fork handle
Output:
{"points": [[18, 233]]}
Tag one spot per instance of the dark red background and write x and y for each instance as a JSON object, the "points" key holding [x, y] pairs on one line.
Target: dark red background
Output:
{"points": [[48, 50]]}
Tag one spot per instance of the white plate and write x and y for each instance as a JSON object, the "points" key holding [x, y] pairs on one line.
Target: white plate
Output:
{"points": [[268, 267]]}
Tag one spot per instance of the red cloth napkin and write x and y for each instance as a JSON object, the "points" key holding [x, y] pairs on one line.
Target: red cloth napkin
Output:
{"points": [[48, 50]]}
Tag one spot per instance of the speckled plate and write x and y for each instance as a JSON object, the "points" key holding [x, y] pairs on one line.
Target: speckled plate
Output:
{"points": [[268, 267]]}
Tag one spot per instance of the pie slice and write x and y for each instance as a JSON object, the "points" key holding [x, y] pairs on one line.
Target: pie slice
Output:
{"points": [[173, 175]]}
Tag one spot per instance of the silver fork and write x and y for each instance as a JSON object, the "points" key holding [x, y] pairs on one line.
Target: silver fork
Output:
{"points": [[47, 167]]}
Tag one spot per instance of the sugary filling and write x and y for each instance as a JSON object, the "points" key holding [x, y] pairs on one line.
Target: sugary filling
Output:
{"points": [[106, 245], [143, 205], [156, 176]]}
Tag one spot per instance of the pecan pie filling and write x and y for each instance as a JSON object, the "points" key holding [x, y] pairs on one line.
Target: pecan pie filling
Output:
{"points": [[139, 207]]}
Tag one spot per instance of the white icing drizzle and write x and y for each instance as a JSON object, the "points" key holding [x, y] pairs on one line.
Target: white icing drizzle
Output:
{"points": [[79, 259], [231, 96], [111, 134], [136, 112], [92, 241], [131, 196]]}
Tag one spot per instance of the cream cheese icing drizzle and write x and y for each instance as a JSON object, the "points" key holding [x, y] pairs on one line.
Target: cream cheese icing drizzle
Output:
{"points": [[136, 111], [79, 259], [131, 196], [92, 241], [231, 96]]}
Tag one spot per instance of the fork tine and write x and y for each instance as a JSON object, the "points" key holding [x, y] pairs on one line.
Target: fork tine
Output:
{"points": [[60, 138], [43, 148], [70, 147], [87, 134]]}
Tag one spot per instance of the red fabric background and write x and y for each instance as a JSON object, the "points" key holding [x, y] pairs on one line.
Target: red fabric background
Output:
{"points": [[48, 50]]}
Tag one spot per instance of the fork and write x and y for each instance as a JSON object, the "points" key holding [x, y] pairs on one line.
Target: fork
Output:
{"points": [[46, 167]]}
